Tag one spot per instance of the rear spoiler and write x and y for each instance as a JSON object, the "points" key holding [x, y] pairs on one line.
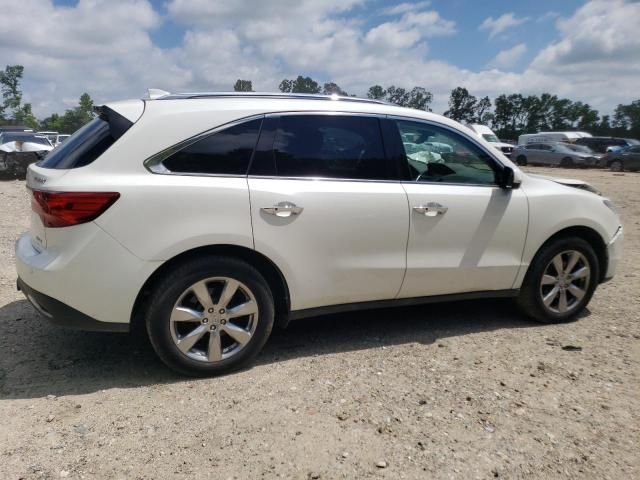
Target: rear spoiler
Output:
{"points": [[118, 124]]}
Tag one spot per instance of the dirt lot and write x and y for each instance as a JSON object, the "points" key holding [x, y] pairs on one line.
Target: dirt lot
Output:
{"points": [[468, 390]]}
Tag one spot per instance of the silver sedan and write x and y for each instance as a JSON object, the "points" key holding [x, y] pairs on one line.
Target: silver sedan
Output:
{"points": [[555, 153]]}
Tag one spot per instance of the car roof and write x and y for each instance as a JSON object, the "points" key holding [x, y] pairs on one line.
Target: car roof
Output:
{"points": [[266, 102], [302, 96]]}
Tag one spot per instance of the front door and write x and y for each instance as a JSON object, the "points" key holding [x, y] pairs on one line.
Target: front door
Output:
{"points": [[466, 233]]}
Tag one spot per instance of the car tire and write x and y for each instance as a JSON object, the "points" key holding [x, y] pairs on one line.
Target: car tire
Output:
{"points": [[566, 162], [616, 166], [550, 296], [521, 160], [195, 318]]}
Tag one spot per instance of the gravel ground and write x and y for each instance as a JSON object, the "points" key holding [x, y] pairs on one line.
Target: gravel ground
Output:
{"points": [[466, 390]]}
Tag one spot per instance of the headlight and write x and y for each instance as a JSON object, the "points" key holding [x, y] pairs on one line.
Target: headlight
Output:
{"points": [[610, 204]]}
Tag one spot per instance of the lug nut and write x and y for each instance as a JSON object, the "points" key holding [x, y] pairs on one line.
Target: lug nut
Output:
{"points": [[213, 327], [205, 320], [223, 321], [210, 310], [221, 311]]}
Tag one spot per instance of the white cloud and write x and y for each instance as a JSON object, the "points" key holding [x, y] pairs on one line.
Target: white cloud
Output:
{"points": [[495, 26], [550, 15], [405, 7], [506, 59], [105, 48]]}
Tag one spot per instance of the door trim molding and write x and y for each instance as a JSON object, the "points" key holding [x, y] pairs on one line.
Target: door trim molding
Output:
{"points": [[399, 302]]}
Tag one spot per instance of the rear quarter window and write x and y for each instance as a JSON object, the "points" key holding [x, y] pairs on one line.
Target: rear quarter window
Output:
{"points": [[225, 152]]}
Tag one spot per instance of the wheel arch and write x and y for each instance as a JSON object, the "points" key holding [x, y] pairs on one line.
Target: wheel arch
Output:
{"points": [[588, 234], [267, 268]]}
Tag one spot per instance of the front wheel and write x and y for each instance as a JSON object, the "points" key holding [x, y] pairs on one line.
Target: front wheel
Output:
{"points": [[560, 281], [210, 316], [521, 160], [566, 162]]}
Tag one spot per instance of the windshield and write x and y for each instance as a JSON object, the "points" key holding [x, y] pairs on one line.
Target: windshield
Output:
{"points": [[21, 137], [489, 137], [579, 148], [572, 148]]}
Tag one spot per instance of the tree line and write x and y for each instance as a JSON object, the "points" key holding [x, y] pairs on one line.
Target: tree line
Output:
{"points": [[509, 115], [14, 112]]}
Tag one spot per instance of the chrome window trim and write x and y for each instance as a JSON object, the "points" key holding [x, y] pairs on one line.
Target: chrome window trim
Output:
{"points": [[154, 163], [289, 113], [407, 182]]}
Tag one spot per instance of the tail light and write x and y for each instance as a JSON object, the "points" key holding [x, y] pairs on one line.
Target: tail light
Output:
{"points": [[64, 209]]}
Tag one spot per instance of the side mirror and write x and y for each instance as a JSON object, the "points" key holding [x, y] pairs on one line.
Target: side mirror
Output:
{"points": [[508, 179]]}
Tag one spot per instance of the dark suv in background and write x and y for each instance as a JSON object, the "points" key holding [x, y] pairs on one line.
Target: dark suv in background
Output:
{"points": [[603, 144]]}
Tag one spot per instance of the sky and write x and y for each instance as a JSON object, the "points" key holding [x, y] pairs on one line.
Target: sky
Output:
{"points": [[586, 50]]}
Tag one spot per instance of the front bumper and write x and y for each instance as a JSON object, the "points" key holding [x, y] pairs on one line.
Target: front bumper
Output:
{"points": [[63, 315], [614, 253]]}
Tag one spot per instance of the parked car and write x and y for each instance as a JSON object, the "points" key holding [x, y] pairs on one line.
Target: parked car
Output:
{"points": [[220, 215], [14, 128], [547, 137], [628, 158], [51, 135], [15, 141], [556, 153], [61, 137], [487, 134], [605, 144]]}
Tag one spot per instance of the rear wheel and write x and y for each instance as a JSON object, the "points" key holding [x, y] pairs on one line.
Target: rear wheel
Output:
{"points": [[521, 160], [560, 281], [566, 162], [616, 166], [210, 316]]}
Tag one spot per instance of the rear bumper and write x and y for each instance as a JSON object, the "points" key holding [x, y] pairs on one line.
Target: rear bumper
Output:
{"points": [[86, 270], [63, 315]]}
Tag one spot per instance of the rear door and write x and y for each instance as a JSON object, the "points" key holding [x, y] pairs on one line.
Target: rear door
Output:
{"points": [[328, 209]]}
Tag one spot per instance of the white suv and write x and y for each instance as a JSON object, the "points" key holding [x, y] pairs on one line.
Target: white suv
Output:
{"points": [[211, 217]]}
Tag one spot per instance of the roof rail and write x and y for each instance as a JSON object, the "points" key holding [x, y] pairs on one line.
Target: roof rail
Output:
{"points": [[298, 96]]}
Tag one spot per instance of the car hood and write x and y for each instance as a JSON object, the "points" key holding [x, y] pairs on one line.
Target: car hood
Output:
{"points": [[569, 182]]}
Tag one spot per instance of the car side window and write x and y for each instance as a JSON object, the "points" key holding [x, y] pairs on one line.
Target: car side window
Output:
{"points": [[225, 152], [330, 146], [439, 155]]}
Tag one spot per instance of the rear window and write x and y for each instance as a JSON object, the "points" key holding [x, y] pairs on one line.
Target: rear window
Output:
{"points": [[330, 146], [88, 143], [22, 137]]}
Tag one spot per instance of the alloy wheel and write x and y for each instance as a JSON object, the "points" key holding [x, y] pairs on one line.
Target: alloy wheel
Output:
{"points": [[565, 282], [214, 319]]}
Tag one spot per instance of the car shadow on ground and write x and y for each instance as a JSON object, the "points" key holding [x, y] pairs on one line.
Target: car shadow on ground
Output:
{"points": [[39, 359]]}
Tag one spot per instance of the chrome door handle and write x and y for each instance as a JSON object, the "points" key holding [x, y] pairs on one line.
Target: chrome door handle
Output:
{"points": [[283, 209], [431, 209]]}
